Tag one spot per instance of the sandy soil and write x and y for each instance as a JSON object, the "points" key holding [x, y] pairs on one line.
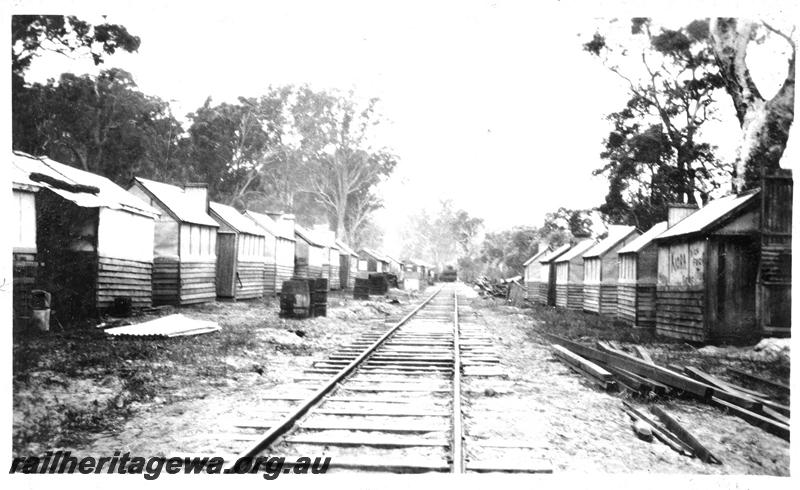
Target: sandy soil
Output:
{"points": [[92, 395], [84, 392], [579, 428]]}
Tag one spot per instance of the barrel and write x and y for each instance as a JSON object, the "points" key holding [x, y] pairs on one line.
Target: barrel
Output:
{"points": [[319, 296], [295, 299], [378, 284], [361, 289]]}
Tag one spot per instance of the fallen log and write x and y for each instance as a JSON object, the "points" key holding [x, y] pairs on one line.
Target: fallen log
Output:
{"points": [[686, 437], [769, 425]]}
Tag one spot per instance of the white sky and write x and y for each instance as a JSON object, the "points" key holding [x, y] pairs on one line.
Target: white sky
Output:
{"points": [[492, 104]]}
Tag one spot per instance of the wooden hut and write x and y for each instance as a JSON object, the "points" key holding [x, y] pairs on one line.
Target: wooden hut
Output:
{"points": [[636, 286], [774, 294], [547, 279], [241, 254], [348, 265], [184, 244], [309, 253], [569, 276], [707, 272], [90, 239], [279, 248], [23, 235], [330, 266], [533, 274], [372, 261], [601, 270]]}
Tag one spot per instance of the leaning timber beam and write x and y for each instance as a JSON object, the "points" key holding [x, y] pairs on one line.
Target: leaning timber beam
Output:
{"points": [[655, 372], [769, 425], [685, 436], [662, 435], [637, 366], [754, 377], [597, 373]]}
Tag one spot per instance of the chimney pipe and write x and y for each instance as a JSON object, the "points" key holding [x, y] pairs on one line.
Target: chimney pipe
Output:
{"points": [[678, 211], [197, 194]]}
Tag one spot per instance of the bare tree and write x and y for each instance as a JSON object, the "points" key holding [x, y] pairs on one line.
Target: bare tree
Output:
{"points": [[765, 123]]}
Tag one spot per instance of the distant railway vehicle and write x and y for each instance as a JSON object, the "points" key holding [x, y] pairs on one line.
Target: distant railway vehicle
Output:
{"points": [[449, 274]]}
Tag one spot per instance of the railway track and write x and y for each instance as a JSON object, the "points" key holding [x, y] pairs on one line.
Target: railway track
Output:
{"points": [[392, 400]]}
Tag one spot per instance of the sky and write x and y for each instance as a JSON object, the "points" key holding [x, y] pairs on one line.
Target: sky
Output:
{"points": [[492, 104]]}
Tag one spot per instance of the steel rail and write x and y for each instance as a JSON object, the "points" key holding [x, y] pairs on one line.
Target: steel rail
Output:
{"points": [[289, 420], [458, 429]]}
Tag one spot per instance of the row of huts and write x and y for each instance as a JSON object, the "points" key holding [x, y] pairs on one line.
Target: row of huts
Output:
{"points": [[719, 273], [90, 242]]}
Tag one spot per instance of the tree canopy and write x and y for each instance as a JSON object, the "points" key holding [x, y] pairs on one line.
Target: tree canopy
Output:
{"points": [[655, 152]]}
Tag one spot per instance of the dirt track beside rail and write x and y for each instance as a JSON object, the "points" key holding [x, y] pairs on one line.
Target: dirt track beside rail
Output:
{"points": [[582, 429], [92, 395]]}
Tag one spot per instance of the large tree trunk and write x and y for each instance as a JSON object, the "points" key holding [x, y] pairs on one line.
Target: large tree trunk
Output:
{"points": [[765, 124]]}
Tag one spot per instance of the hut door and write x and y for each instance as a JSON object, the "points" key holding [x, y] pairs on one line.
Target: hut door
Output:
{"points": [[344, 271], [226, 265], [737, 262]]}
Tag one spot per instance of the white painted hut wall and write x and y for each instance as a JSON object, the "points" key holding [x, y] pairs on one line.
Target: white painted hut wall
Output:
{"points": [[562, 272], [682, 263], [592, 267], [24, 221], [317, 256], [284, 252], [251, 248], [165, 241], [198, 242], [270, 248], [627, 268], [124, 235], [544, 272]]}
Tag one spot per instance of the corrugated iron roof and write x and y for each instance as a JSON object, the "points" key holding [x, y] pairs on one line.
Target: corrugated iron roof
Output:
{"points": [[377, 255], [615, 235], [174, 198], [168, 326], [394, 259], [110, 195], [345, 248], [270, 225], [235, 219], [554, 254], [645, 239], [578, 250], [536, 257], [707, 217], [324, 236], [308, 236]]}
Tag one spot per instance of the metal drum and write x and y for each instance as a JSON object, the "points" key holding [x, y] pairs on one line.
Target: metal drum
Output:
{"points": [[295, 299]]}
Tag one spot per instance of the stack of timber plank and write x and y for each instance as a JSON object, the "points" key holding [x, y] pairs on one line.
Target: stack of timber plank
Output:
{"points": [[643, 375]]}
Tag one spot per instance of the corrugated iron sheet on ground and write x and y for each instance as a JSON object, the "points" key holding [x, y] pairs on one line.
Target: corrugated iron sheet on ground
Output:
{"points": [[168, 326]]}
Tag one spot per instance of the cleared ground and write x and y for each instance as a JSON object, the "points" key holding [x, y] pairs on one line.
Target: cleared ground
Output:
{"points": [[92, 395]]}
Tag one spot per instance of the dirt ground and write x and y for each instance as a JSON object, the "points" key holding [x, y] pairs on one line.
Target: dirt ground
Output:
{"points": [[579, 428], [91, 394]]}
